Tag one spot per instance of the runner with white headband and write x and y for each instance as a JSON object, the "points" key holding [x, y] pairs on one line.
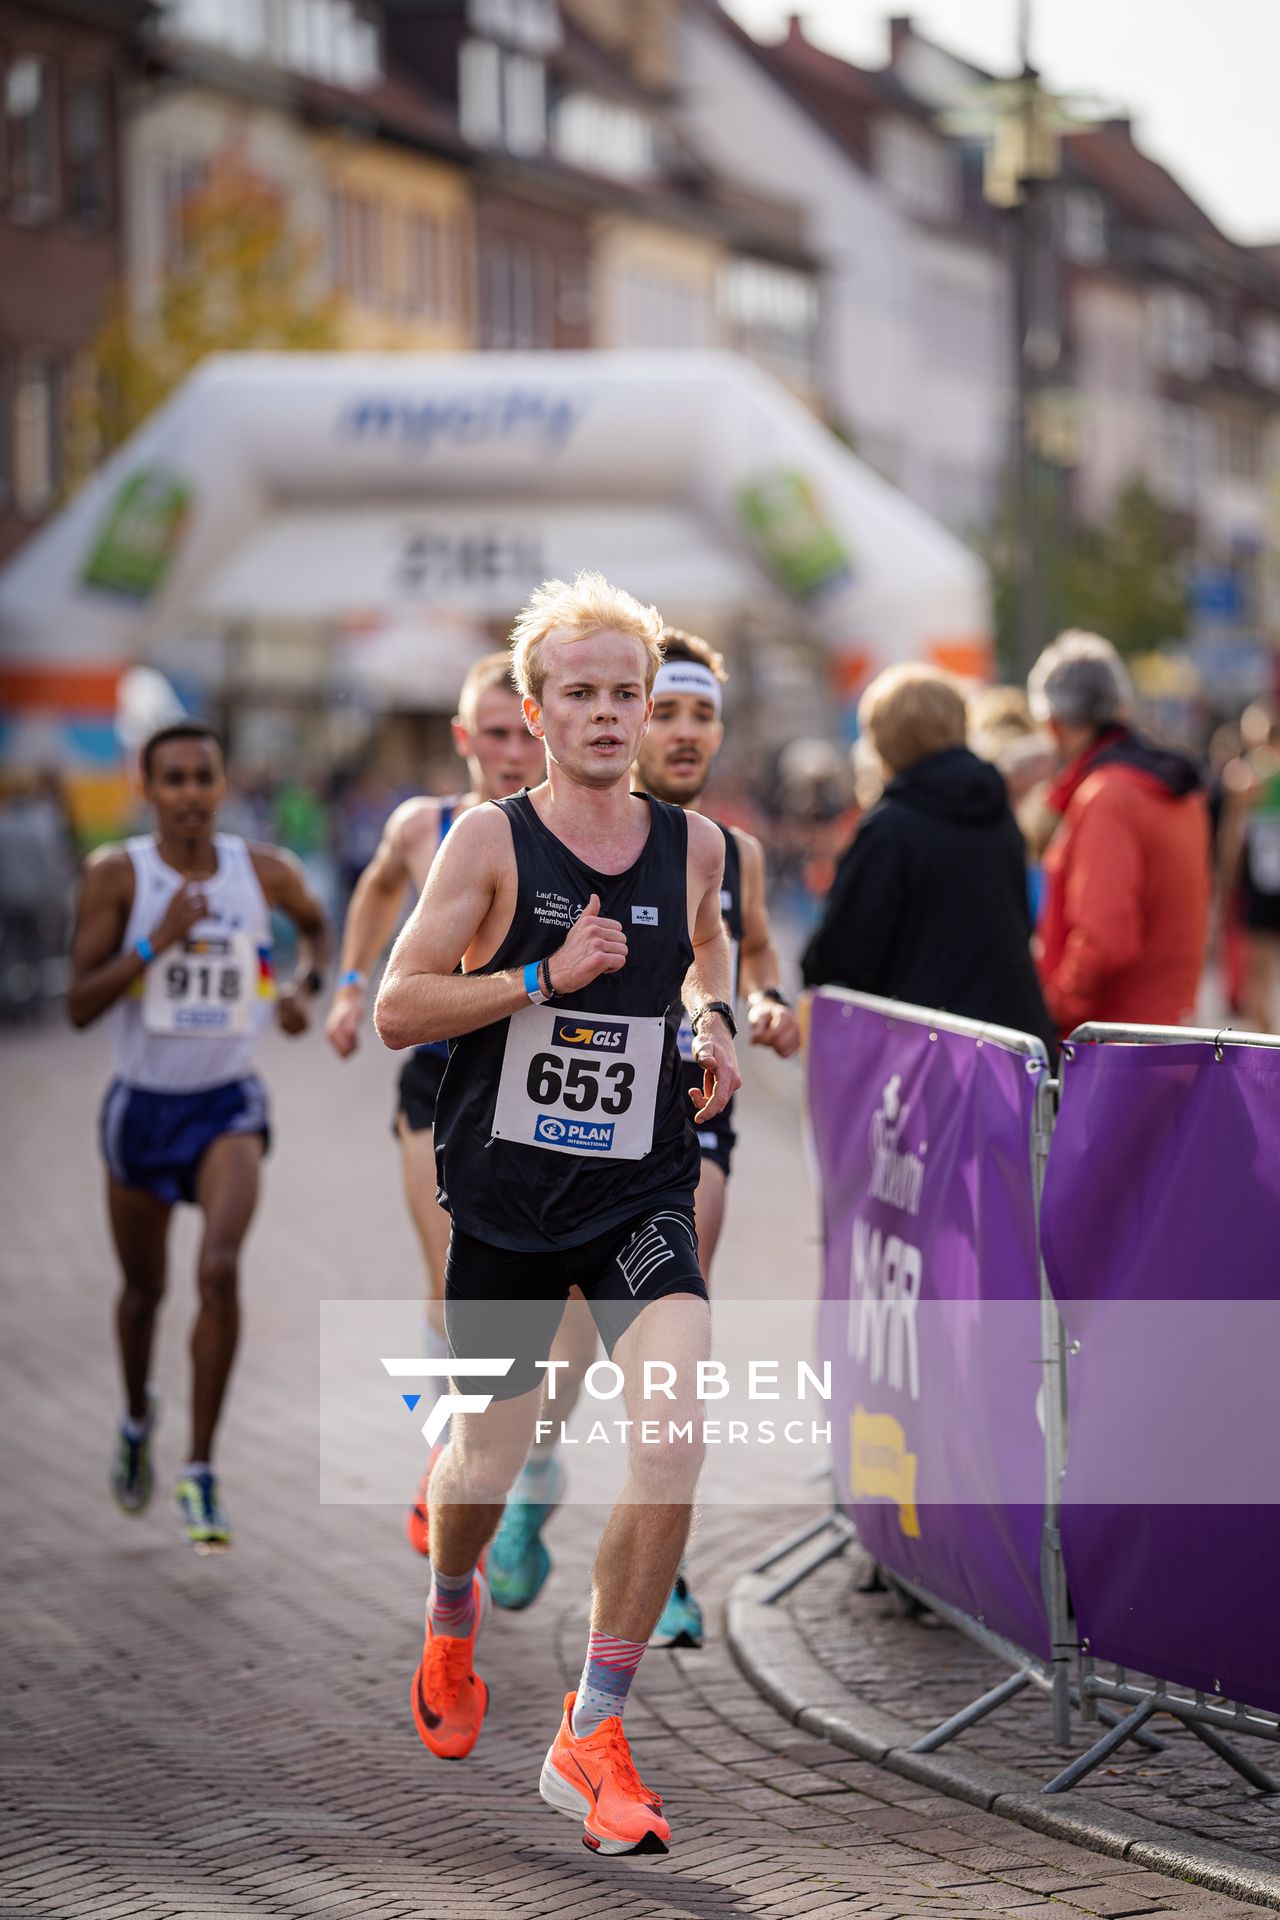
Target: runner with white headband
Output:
{"points": [[674, 763]]}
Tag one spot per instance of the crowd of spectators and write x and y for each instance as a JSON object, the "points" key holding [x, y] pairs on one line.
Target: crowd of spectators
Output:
{"points": [[1024, 857]]}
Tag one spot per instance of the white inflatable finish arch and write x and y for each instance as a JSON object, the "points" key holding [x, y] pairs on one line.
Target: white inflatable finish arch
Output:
{"points": [[349, 486]]}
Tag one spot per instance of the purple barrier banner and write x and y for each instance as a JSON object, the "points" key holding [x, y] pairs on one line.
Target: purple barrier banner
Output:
{"points": [[1161, 1209], [923, 1139]]}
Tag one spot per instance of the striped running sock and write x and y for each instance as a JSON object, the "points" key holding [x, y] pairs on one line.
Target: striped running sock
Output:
{"points": [[451, 1604], [606, 1680]]}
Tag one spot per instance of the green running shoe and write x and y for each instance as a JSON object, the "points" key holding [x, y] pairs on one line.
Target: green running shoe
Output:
{"points": [[132, 1478], [680, 1623], [200, 1510], [518, 1563]]}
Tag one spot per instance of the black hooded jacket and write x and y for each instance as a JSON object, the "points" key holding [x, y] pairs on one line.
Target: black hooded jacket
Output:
{"points": [[929, 903]]}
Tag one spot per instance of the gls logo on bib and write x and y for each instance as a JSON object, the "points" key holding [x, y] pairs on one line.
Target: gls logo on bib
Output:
{"points": [[586, 1135], [605, 1036]]}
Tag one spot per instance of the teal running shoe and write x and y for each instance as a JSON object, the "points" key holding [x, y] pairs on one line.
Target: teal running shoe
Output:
{"points": [[680, 1623], [200, 1510], [132, 1477], [518, 1562]]}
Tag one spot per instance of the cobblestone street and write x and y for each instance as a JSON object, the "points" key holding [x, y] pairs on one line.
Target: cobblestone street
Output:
{"points": [[229, 1736]]}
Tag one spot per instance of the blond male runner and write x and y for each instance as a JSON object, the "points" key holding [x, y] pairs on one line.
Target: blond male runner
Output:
{"points": [[501, 756], [676, 756], [567, 1156]]}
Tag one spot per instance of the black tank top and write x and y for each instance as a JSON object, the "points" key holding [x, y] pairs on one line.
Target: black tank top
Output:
{"points": [[731, 908], [731, 892], [529, 1197]]}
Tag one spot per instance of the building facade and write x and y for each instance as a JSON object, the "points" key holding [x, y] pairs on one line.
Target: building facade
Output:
{"points": [[62, 78]]}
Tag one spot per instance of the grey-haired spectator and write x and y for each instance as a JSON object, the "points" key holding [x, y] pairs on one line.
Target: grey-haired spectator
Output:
{"points": [[1127, 870]]}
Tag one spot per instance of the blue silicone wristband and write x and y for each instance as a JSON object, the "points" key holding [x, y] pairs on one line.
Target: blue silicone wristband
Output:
{"points": [[144, 950], [352, 978], [532, 985]]}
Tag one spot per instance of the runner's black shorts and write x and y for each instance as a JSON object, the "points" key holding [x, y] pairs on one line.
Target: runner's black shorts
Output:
{"points": [[717, 1140], [420, 1079], [1261, 910], [499, 1303]]}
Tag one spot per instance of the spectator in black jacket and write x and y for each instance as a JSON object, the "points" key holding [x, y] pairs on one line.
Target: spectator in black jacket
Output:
{"points": [[929, 902]]}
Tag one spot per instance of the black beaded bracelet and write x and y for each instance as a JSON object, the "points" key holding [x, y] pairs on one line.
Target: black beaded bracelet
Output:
{"points": [[545, 970]]}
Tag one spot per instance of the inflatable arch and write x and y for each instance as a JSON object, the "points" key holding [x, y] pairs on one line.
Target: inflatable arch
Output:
{"points": [[349, 488]]}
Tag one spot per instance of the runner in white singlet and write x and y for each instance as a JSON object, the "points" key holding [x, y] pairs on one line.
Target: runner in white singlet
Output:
{"points": [[173, 935]]}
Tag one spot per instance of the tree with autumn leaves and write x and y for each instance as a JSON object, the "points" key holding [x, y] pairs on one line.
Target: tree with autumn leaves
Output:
{"points": [[241, 280]]}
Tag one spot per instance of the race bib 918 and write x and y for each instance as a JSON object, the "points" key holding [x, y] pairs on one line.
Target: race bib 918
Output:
{"points": [[580, 1083], [207, 986]]}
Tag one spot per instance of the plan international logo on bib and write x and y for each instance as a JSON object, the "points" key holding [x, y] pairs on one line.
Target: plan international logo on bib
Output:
{"points": [[587, 1136]]}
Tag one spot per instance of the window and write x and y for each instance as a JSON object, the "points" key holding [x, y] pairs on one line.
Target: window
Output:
{"points": [[495, 295], [237, 26], [502, 98], [330, 39], [657, 310], [1180, 332], [517, 290], [422, 272], [601, 137], [357, 248], [181, 181], [770, 313], [32, 138], [1084, 228], [37, 433], [917, 168], [1178, 473], [531, 25], [480, 92], [1262, 349], [1238, 444], [526, 104], [88, 151]]}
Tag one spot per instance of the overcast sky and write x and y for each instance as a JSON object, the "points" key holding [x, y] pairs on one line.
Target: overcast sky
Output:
{"points": [[1200, 77]]}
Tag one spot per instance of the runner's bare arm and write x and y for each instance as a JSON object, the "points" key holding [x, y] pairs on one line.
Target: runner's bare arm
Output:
{"points": [[710, 976], [372, 914], [772, 1024], [284, 883], [100, 972], [423, 997]]}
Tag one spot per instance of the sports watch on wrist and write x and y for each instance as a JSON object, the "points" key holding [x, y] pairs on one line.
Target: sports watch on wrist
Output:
{"points": [[770, 993], [721, 1007]]}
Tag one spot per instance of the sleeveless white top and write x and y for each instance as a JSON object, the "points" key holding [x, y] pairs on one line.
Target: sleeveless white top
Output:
{"points": [[194, 1018]]}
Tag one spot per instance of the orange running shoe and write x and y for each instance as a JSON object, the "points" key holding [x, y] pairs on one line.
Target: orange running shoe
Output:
{"points": [[448, 1696], [417, 1521], [592, 1779]]}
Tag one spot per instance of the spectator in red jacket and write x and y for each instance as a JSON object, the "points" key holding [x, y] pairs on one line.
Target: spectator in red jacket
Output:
{"points": [[1127, 870]]}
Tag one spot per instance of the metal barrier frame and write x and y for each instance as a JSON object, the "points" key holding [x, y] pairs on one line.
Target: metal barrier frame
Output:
{"points": [[1145, 1694], [1053, 1676]]}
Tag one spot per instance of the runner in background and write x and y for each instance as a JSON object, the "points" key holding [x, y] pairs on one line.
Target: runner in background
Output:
{"points": [[675, 760], [501, 756], [173, 934], [1250, 862]]}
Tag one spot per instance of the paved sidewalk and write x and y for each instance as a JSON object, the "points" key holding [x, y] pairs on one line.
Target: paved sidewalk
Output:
{"points": [[923, 1672], [187, 1737]]}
